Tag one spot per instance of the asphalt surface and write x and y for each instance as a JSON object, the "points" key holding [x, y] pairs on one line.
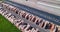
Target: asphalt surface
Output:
{"points": [[37, 12], [50, 17]]}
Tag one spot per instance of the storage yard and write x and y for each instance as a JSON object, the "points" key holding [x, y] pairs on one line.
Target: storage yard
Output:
{"points": [[16, 17]]}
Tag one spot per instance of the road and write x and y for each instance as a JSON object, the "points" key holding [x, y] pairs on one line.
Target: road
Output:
{"points": [[50, 17], [43, 5]]}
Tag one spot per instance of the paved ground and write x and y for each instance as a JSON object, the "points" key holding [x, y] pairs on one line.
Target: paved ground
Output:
{"points": [[38, 13], [44, 6]]}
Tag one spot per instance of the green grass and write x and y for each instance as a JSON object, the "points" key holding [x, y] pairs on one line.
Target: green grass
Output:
{"points": [[6, 26]]}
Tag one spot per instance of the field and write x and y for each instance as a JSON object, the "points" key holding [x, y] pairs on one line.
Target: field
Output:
{"points": [[6, 26]]}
